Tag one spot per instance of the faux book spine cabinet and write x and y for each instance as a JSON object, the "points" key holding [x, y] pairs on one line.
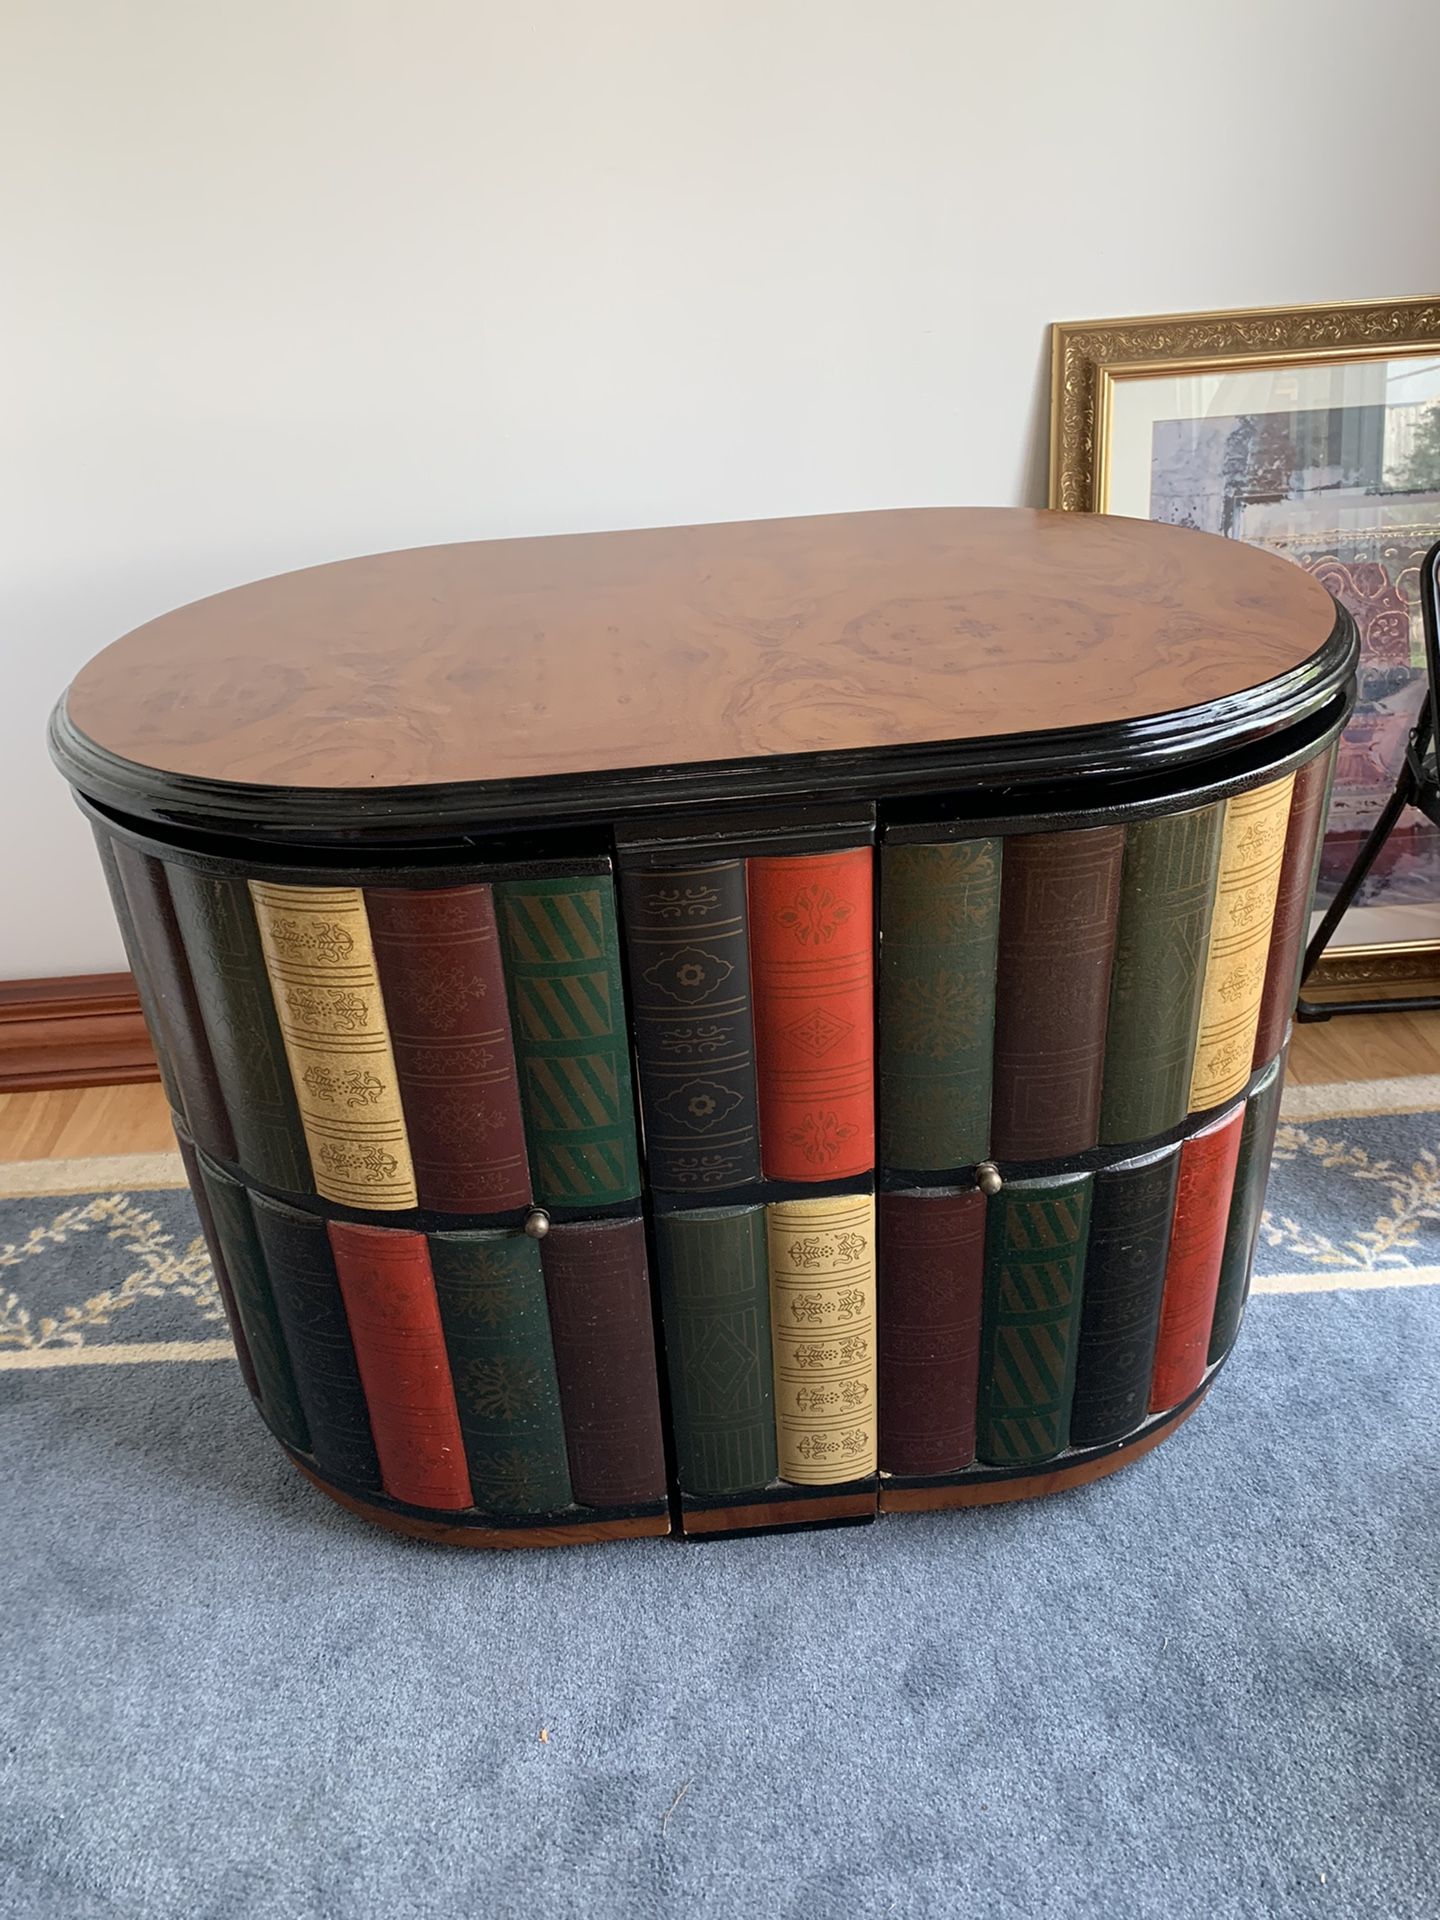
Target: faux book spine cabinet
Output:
{"points": [[726, 1027]]}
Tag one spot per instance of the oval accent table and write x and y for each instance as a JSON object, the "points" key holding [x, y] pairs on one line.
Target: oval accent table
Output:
{"points": [[724, 1027]]}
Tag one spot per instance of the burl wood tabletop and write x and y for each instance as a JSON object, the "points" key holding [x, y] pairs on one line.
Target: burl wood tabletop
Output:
{"points": [[507, 659]]}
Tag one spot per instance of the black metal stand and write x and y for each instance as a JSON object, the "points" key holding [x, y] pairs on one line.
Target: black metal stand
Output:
{"points": [[1415, 786]]}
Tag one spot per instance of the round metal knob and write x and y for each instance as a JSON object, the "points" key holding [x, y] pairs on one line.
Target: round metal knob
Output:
{"points": [[987, 1177], [538, 1223]]}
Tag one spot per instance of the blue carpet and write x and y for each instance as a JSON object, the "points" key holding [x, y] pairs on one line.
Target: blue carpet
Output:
{"points": [[1208, 1686]]}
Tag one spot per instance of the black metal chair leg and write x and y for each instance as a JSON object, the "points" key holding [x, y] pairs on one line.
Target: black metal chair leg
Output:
{"points": [[1407, 792]]}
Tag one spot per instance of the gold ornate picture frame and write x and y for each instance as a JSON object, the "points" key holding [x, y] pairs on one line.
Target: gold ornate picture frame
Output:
{"points": [[1314, 432]]}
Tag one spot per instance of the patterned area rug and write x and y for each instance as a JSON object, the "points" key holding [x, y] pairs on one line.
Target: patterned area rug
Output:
{"points": [[1209, 1686]]}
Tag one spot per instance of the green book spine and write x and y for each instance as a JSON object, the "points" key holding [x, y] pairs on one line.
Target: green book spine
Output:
{"points": [[255, 1304], [562, 971], [1167, 893], [222, 944], [491, 1292], [1247, 1208], [715, 1302], [1035, 1236], [939, 919]]}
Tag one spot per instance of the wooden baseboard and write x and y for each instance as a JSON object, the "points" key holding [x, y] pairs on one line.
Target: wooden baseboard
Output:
{"points": [[82, 1030]]}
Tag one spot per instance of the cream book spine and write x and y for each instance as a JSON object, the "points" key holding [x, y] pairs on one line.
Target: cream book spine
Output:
{"points": [[822, 1323], [318, 953]]}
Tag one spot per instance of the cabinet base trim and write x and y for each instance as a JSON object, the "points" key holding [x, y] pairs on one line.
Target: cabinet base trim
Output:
{"points": [[1034, 1486], [637, 1527]]}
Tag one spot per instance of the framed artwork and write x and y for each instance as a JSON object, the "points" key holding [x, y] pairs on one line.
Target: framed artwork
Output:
{"points": [[1315, 432]]}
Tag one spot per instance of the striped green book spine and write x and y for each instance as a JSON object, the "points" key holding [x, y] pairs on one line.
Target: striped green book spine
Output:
{"points": [[939, 919], [1167, 893], [562, 972], [255, 1304], [715, 1295], [1035, 1236], [491, 1292]]}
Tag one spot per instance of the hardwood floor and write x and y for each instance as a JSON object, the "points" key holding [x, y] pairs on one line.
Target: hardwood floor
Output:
{"points": [[76, 1122], [81, 1121], [1366, 1046]]}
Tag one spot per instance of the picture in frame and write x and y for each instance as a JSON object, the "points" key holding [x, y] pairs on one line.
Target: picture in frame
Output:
{"points": [[1314, 432]]}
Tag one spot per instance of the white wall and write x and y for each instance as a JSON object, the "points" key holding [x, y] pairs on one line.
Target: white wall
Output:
{"points": [[295, 279]]}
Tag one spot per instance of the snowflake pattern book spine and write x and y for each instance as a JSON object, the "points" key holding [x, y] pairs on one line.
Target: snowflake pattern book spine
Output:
{"points": [[932, 1261], [688, 953], [940, 913], [715, 1302], [1192, 1270], [812, 945], [822, 1322], [1167, 895], [389, 1296], [491, 1292], [437, 953], [1035, 1239], [316, 942], [1059, 898], [598, 1288]]}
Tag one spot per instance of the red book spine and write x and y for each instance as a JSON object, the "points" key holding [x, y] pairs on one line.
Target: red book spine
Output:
{"points": [[932, 1281], [812, 975], [389, 1296], [438, 958], [1192, 1268]]}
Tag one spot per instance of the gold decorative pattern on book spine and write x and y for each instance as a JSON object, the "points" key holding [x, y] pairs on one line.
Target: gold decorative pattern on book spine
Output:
{"points": [[1252, 850], [822, 1318], [327, 998]]}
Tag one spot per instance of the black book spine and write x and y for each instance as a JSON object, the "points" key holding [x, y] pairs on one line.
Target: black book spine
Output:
{"points": [[688, 952], [244, 1262], [146, 987], [157, 935], [1130, 1215], [317, 1335]]}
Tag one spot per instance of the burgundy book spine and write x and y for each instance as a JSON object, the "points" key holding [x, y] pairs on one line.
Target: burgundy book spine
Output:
{"points": [[1059, 903], [389, 1295], [1192, 1267], [217, 1261], [1292, 906], [602, 1327], [931, 1284], [440, 970]]}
